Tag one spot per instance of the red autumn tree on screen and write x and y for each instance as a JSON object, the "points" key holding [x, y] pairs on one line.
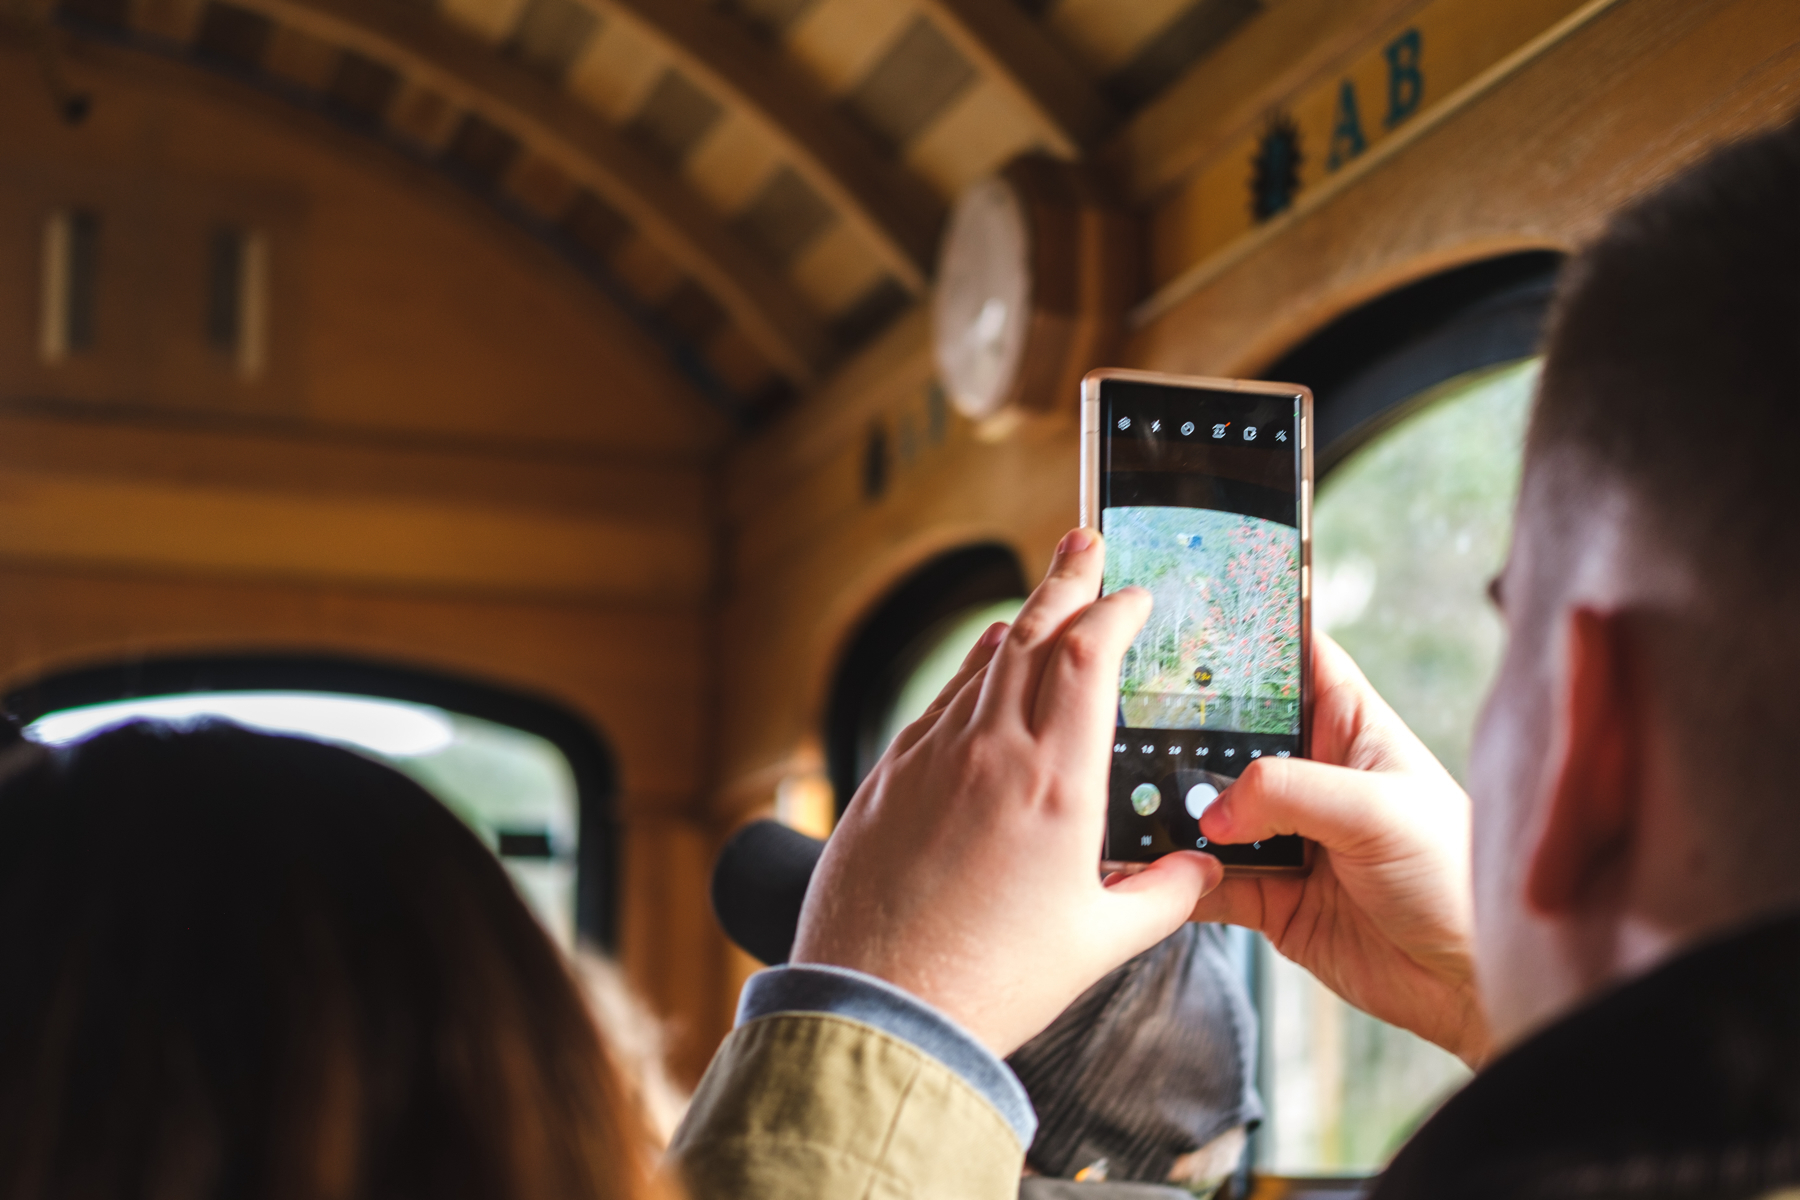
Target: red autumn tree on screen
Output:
{"points": [[1221, 647], [1253, 634]]}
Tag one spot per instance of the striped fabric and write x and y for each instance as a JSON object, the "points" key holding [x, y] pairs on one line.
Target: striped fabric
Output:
{"points": [[1151, 1063]]}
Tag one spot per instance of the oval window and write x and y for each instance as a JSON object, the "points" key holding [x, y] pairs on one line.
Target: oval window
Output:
{"points": [[1407, 532], [940, 652], [515, 789]]}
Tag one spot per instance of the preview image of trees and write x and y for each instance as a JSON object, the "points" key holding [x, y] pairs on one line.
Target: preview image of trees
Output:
{"points": [[1221, 649]]}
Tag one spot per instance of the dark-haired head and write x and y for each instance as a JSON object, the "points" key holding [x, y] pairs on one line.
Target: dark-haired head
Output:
{"points": [[1671, 392], [253, 966], [1632, 771]]}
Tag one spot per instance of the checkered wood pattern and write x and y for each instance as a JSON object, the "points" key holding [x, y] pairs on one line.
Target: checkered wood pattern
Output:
{"points": [[908, 77]]}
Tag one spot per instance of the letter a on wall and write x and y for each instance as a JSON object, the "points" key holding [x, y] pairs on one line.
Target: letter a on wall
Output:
{"points": [[1347, 140]]}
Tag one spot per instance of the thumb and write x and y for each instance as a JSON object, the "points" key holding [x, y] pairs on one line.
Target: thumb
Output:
{"points": [[1336, 807], [1145, 908]]}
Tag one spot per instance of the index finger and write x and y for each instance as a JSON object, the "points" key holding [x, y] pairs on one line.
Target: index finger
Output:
{"points": [[1072, 583], [978, 657]]}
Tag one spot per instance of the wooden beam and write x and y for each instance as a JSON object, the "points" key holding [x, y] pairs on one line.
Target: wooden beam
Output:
{"points": [[769, 309], [895, 209], [1227, 95], [1006, 43]]}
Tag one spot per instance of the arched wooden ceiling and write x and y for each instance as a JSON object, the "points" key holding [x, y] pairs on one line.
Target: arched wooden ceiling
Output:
{"points": [[761, 181]]}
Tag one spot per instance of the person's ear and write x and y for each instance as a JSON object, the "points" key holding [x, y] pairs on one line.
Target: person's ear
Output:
{"points": [[1594, 791]]}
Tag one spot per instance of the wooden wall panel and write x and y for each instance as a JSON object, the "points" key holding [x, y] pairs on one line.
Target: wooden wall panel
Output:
{"points": [[402, 542], [674, 953], [1539, 160], [633, 671], [405, 306], [435, 365], [463, 457]]}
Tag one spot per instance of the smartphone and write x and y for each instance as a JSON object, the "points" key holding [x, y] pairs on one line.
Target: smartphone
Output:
{"points": [[1203, 491]]}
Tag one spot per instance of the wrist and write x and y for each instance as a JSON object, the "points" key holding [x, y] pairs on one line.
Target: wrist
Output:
{"points": [[950, 1003]]}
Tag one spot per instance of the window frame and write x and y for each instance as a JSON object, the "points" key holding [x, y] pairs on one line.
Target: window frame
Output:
{"points": [[590, 759], [887, 644], [1369, 371], [1370, 368]]}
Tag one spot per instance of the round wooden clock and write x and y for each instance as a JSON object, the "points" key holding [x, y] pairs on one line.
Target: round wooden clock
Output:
{"points": [[1036, 269]]}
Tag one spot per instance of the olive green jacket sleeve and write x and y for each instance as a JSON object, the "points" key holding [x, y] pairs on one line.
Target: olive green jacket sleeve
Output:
{"points": [[803, 1105]]}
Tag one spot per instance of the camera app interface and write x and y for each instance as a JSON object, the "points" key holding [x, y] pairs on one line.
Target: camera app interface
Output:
{"points": [[1200, 507]]}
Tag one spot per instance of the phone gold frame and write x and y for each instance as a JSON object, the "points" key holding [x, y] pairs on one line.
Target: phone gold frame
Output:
{"points": [[1090, 519]]}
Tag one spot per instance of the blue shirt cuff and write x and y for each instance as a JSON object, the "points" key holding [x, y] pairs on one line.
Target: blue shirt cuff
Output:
{"points": [[842, 992]]}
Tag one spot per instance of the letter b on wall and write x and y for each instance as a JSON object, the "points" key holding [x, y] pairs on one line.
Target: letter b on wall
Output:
{"points": [[1406, 82]]}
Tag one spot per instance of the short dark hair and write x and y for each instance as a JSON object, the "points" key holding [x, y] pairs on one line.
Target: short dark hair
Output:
{"points": [[247, 965], [1672, 370]]}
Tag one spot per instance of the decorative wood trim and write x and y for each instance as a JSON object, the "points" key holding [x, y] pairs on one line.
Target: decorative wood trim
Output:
{"points": [[765, 305], [1204, 272], [1226, 95], [895, 209], [1008, 45]]}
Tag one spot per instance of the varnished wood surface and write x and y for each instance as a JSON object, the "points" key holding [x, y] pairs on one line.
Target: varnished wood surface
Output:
{"points": [[557, 515], [1277, 54], [412, 311], [1535, 162], [633, 672], [1007, 43], [587, 149], [463, 458], [892, 207], [1539, 161]]}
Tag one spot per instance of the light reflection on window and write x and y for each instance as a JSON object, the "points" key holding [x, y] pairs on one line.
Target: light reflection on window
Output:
{"points": [[942, 652], [515, 789], [1406, 534]]}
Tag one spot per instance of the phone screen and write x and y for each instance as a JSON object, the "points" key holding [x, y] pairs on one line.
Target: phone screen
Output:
{"points": [[1199, 499]]}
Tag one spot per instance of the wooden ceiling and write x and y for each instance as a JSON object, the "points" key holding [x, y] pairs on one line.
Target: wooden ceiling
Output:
{"points": [[760, 183]]}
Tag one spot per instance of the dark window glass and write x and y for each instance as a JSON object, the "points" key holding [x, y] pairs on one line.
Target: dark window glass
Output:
{"points": [[224, 289], [83, 282]]}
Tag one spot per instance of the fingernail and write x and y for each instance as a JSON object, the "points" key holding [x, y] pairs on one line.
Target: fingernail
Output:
{"points": [[1075, 541], [1214, 872], [996, 633]]}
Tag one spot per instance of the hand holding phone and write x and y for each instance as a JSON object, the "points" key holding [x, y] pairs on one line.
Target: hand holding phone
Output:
{"points": [[963, 870], [1202, 489], [1385, 919]]}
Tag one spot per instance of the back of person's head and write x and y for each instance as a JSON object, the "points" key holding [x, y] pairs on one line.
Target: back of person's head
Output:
{"points": [[1672, 378], [253, 966], [1150, 1075]]}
